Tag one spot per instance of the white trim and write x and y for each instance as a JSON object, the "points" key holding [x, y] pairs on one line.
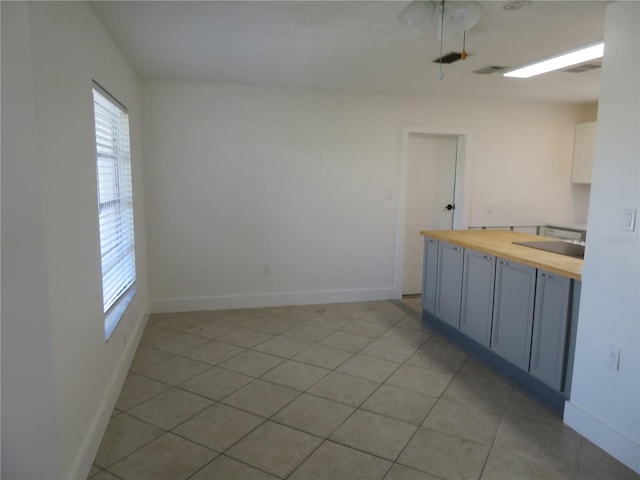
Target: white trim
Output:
{"points": [[619, 446], [463, 179], [117, 311], [463, 185], [224, 302], [87, 453]]}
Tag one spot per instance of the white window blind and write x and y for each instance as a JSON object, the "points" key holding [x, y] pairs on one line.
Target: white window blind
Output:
{"points": [[115, 199]]}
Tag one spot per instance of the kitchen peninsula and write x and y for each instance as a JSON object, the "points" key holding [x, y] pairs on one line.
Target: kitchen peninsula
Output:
{"points": [[513, 307]]}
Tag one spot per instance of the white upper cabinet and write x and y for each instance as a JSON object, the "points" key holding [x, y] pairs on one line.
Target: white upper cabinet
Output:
{"points": [[583, 152]]}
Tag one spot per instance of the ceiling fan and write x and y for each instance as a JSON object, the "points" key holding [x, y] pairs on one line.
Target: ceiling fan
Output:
{"points": [[448, 18]]}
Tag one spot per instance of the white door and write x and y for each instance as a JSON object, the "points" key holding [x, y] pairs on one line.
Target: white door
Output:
{"points": [[431, 174]]}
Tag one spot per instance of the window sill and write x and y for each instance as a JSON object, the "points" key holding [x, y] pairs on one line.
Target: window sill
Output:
{"points": [[112, 318]]}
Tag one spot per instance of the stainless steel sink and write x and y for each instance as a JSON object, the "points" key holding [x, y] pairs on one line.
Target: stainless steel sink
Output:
{"points": [[556, 246]]}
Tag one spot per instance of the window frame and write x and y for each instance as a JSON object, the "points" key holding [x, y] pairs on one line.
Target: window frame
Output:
{"points": [[120, 204]]}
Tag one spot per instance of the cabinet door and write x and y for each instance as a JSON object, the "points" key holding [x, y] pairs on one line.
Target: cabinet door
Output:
{"points": [[429, 274], [449, 283], [513, 312], [583, 147], [477, 296], [550, 328]]}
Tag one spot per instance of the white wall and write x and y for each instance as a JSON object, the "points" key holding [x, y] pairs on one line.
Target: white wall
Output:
{"points": [[29, 424], [605, 404], [238, 177], [58, 373]]}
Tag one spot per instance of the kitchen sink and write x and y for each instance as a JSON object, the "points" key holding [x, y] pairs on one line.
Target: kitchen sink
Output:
{"points": [[556, 246]]}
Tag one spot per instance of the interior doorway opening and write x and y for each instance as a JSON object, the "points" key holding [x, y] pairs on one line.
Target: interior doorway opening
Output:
{"points": [[434, 164]]}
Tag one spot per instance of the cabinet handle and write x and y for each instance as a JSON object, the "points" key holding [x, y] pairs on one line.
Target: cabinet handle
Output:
{"points": [[457, 249], [486, 257], [502, 262], [550, 277]]}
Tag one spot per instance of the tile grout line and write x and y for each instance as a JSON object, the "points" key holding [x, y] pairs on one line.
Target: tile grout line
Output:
{"points": [[493, 441], [318, 342], [265, 420], [323, 440], [271, 418], [164, 432], [197, 413], [426, 416], [359, 407], [179, 386], [291, 358]]}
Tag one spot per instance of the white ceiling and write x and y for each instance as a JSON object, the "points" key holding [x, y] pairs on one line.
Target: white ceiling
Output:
{"points": [[353, 45]]}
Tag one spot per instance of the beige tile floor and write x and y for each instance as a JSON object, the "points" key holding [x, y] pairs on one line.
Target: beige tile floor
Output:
{"points": [[345, 391]]}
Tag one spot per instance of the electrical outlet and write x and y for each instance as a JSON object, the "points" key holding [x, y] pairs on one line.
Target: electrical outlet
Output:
{"points": [[266, 270], [614, 358]]}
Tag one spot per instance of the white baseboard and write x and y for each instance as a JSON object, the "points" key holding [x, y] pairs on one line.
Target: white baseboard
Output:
{"points": [[619, 446], [224, 302], [84, 460]]}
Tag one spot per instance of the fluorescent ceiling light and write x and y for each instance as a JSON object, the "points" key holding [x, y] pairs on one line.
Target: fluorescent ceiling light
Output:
{"points": [[561, 61]]}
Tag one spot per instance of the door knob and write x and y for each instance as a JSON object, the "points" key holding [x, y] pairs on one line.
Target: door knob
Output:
{"points": [[449, 207]]}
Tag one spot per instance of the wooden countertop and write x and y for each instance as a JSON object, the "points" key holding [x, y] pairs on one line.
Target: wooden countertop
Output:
{"points": [[500, 243]]}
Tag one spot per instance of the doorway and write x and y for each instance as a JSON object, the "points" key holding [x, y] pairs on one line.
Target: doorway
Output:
{"points": [[433, 183]]}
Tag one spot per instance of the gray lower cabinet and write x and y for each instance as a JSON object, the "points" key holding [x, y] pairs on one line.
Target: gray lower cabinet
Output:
{"points": [[513, 312], [477, 296], [429, 275], [520, 313], [550, 328], [449, 283]]}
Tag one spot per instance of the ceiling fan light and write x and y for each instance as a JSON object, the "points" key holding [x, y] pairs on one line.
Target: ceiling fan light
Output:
{"points": [[425, 15], [559, 62]]}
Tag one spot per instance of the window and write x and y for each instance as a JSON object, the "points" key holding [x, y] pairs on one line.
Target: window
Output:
{"points": [[115, 207]]}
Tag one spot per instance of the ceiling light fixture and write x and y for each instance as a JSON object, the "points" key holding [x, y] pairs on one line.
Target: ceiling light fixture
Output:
{"points": [[559, 62], [447, 18]]}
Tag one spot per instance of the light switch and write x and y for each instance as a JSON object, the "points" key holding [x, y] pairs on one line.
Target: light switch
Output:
{"points": [[629, 219], [613, 361]]}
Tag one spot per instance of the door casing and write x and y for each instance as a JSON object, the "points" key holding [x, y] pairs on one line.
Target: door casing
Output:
{"points": [[462, 185]]}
